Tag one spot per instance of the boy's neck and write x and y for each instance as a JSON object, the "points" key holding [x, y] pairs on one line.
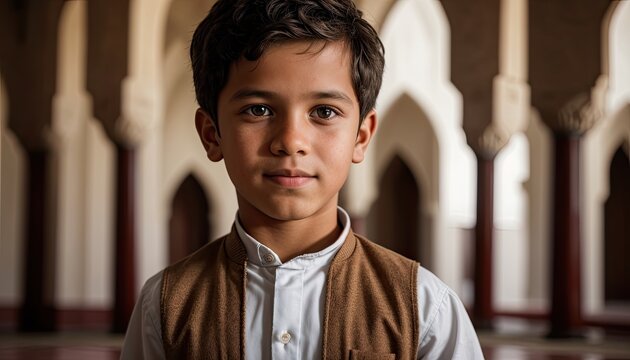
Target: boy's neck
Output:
{"points": [[289, 239]]}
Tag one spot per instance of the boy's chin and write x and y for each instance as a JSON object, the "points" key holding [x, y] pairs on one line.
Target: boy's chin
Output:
{"points": [[290, 213], [283, 212]]}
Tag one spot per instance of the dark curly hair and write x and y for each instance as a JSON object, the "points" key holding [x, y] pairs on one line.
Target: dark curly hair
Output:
{"points": [[246, 28]]}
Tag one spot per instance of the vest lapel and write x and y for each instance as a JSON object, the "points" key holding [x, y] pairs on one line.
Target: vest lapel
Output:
{"points": [[202, 298], [371, 304]]}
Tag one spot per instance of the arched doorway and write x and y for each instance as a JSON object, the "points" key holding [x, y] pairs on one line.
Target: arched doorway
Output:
{"points": [[394, 219], [617, 231], [189, 227]]}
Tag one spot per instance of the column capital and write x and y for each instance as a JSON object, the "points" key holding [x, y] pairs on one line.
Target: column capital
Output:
{"points": [[41, 139], [491, 141], [578, 115], [128, 132], [137, 118]]}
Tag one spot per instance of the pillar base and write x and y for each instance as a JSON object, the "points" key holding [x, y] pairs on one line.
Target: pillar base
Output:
{"points": [[566, 334], [37, 318], [483, 324]]}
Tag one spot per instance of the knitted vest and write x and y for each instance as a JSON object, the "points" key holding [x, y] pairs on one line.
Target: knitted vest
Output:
{"points": [[370, 308]]}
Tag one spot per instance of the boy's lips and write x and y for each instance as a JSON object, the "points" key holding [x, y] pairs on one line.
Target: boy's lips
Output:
{"points": [[289, 177]]}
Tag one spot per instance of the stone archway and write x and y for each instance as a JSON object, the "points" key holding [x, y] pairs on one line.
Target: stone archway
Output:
{"points": [[393, 220], [189, 225], [617, 231]]}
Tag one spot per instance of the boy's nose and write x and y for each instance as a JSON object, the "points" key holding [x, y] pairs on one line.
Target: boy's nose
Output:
{"points": [[290, 137]]}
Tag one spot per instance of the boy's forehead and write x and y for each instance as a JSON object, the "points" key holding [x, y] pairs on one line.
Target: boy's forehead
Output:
{"points": [[299, 50], [317, 64]]}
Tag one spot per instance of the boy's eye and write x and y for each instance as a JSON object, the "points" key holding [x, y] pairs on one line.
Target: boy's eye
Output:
{"points": [[324, 112], [258, 110]]}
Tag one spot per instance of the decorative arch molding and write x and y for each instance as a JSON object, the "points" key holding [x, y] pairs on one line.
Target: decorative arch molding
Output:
{"points": [[406, 132], [396, 135], [617, 56], [614, 134], [421, 70], [599, 146], [422, 67]]}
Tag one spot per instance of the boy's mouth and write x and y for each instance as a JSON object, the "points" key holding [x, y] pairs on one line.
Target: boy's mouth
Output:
{"points": [[289, 177]]}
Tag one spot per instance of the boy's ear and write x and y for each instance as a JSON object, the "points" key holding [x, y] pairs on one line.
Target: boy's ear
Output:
{"points": [[208, 134], [366, 131]]}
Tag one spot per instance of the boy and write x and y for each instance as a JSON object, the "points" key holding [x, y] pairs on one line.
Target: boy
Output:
{"points": [[286, 90]]}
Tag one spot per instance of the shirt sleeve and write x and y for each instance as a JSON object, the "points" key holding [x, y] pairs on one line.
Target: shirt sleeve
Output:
{"points": [[143, 339], [445, 328]]}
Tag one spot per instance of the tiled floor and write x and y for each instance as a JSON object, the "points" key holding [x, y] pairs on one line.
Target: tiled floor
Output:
{"points": [[65, 346], [95, 346], [519, 347], [60, 353]]}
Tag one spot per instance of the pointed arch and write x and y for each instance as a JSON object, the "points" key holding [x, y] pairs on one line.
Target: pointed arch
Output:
{"points": [[406, 129], [406, 154], [394, 220], [617, 230], [189, 224]]}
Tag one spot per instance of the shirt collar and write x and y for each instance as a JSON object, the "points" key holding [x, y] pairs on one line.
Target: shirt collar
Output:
{"points": [[261, 255]]}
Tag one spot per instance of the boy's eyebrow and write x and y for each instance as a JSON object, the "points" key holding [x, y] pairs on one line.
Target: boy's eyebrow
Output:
{"points": [[333, 94], [250, 93]]}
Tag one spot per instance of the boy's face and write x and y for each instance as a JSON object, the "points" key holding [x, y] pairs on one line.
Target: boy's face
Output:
{"points": [[288, 126]]}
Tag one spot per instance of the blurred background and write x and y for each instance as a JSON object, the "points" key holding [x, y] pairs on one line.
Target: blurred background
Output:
{"points": [[501, 161]]}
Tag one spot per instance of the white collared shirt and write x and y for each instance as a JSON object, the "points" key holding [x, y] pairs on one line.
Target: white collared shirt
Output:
{"points": [[284, 309]]}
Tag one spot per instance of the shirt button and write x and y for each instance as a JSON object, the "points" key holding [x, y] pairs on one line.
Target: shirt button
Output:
{"points": [[268, 258], [285, 337]]}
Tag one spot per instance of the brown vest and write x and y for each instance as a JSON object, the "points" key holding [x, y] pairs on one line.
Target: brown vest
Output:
{"points": [[370, 309]]}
